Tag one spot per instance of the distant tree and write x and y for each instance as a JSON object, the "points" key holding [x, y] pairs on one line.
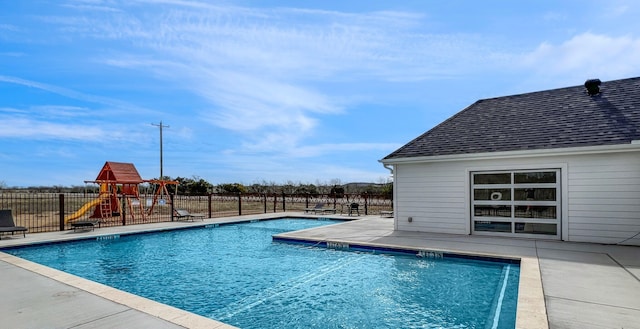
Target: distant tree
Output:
{"points": [[200, 187], [288, 188], [190, 186], [232, 188], [337, 192], [255, 188], [78, 189], [309, 189]]}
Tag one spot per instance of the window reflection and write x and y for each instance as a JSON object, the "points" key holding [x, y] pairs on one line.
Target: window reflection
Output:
{"points": [[502, 178], [535, 194], [488, 226], [501, 194], [534, 177], [541, 212], [492, 211], [536, 228]]}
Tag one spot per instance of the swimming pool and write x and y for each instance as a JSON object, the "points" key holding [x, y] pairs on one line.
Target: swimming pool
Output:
{"points": [[236, 274]]}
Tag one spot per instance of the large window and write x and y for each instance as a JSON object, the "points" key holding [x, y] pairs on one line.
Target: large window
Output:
{"points": [[516, 202]]}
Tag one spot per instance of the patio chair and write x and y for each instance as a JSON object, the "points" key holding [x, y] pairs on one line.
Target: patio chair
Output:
{"points": [[183, 214], [7, 224], [354, 207]]}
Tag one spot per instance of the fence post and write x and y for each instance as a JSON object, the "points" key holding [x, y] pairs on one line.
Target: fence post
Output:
{"points": [[61, 207], [209, 204], [275, 202], [123, 202], [284, 202], [239, 204], [306, 204], [264, 197], [172, 208], [366, 205]]}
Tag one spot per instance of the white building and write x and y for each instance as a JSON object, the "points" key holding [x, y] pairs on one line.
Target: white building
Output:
{"points": [[558, 164]]}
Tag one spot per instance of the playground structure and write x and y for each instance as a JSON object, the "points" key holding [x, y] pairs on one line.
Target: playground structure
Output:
{"points": [[118, 179]]}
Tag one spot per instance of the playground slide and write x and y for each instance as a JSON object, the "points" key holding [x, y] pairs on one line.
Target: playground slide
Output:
{"points": [[86, 208]]}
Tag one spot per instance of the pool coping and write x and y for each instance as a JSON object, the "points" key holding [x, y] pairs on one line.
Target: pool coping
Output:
{"points": [[531, 309]]}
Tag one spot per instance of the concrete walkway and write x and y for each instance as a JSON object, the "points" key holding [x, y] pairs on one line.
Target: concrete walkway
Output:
{"points": [[562, 285]]}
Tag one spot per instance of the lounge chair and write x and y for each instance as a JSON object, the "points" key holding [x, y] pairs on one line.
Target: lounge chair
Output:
{"points": [[183, 214], [319, 208], [318, 205], [7, 224], [386, 213], [84, 224]]}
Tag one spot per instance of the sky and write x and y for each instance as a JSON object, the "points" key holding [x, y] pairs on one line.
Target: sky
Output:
{"points": [[254, 91]]}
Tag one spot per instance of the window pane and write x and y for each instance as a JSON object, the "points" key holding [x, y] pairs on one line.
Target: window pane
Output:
{"points": [[535, 194], [487, 226], [542, 212], [491, 211], [534, 177], [537, 228], [499, 194], [504, 178]]}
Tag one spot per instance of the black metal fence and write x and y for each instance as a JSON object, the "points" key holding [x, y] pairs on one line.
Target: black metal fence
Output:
{"points": [[46, 212]]}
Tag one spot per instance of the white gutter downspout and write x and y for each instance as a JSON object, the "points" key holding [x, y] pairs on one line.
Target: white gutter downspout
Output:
{"points": [[395, 214], [388, 167]]}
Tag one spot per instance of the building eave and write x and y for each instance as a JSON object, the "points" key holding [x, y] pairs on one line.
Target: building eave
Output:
{"points": [[634, 146]]}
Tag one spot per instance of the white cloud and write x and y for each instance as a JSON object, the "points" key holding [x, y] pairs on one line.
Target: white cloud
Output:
{"points": [[324, 149], [587, 55], [265, 69], [115, 105], [617, 11], [9, 27], [60, 111], [26, 128], [554, 16]]}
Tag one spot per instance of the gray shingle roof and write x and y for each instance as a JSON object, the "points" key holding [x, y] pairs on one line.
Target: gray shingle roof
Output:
{"points": [[558, 118]]}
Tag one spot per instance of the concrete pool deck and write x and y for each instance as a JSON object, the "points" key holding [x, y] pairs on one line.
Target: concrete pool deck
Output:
{"points": [[562, 284]]}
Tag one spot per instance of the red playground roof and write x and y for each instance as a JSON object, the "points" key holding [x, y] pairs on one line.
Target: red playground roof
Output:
{"points": [[119, 173]]}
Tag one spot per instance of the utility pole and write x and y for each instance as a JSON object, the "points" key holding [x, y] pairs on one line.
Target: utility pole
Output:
{"points": [[160, 126]]}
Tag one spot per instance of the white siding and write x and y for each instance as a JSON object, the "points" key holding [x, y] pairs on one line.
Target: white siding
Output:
{"points": [[434, 196], [604, 198], [600, 202]]}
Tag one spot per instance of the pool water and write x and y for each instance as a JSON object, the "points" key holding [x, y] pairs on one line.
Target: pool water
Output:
{"points": [[236, 274]]}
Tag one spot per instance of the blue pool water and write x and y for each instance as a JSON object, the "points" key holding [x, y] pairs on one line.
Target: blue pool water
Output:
{"points": [[238, 275]]}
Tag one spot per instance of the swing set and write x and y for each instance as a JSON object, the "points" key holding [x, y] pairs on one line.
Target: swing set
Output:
{"points": [[121, 179]]}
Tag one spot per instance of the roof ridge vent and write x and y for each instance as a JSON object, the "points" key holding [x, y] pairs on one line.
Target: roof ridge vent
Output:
{"points": [[593, 86]]}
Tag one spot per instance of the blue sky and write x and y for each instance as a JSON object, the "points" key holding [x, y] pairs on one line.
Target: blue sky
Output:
{"points": [[275, 91]]}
